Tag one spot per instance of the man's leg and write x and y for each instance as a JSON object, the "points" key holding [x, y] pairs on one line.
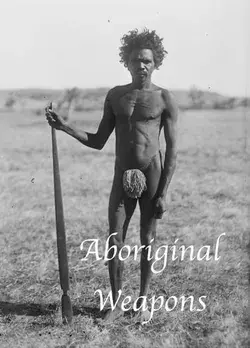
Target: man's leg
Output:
{"points": [[148, 222], [121, 209]]}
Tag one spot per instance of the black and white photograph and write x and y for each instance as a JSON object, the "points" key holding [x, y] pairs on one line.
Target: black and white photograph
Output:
{"points": [[124, 173]]}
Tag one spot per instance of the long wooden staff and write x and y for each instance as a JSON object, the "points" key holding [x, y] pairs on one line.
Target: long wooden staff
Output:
{"points": [[67, 312]]}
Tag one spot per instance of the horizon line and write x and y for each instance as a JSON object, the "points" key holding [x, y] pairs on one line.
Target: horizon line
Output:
{"points": [[108, 87]]}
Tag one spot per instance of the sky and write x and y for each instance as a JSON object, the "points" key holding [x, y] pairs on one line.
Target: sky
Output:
{"points": [[67, 43]]}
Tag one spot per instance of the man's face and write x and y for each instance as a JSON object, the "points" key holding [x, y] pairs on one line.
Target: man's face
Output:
{"points": [[141, 64]]}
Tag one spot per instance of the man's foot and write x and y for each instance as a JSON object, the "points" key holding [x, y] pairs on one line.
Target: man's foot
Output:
{"points": [[140, 316], [143, 317], [113, 315]]}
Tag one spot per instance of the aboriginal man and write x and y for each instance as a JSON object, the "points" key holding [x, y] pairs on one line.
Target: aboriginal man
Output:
{"points": [[138, 112]]}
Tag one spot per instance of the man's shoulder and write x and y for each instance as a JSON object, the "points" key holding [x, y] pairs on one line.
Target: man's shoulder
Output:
{"points": [[169, 101], [167, 95], [117, 91]]}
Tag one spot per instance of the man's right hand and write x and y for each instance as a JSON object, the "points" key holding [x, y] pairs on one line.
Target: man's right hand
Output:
{"points": [[53, 119]]}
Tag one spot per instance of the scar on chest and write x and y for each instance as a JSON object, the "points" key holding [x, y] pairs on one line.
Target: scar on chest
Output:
{"points": [[133, 101], [128, 99]]}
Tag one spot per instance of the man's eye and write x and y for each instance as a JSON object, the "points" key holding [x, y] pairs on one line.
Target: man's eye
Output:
{"points": [[135, 61]]}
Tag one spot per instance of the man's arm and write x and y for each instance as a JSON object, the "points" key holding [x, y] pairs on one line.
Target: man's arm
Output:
{"points": [[169, 122], [96, 140]]}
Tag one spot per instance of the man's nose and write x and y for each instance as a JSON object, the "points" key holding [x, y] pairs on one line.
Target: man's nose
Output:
{"points": [[141, 66]]}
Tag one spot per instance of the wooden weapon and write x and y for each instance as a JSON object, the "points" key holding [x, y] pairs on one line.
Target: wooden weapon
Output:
{"points": [[67, 312]]}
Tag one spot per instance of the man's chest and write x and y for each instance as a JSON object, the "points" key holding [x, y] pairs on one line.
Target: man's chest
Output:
{"points": [[138, 106]]}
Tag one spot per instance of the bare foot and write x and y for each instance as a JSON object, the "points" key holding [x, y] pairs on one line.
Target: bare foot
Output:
{"points": [[113, 315], [142, 317]]}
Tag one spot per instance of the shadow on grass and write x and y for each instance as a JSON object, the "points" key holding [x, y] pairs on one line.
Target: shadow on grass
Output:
{"points": [[93, 312], [35, 309], [29, 309]]}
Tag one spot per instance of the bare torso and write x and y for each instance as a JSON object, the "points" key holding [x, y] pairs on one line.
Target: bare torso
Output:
{"points": [[138, 124]]}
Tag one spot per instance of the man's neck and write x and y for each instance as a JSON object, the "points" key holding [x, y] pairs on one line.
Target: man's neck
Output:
{"points": [[141, 85]]}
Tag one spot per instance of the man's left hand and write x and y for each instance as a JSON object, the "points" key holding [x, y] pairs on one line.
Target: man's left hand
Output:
{"points": [[160, 207]]}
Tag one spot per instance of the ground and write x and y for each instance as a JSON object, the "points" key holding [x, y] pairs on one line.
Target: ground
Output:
{"points": [[209, 195]]}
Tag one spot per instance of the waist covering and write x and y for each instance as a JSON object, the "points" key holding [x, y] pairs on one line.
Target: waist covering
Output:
{"points": [[134, 183]]}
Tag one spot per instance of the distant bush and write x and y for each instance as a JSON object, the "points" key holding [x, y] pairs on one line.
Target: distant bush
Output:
{"points": [[245, 102], [197, 97], [95, 93], [39, 97], [67, 100], [79, 107], [38, 112], [10, 102], [228, 103]]}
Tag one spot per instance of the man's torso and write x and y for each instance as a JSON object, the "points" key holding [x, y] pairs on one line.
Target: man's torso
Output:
{"points": [[138, 123]]}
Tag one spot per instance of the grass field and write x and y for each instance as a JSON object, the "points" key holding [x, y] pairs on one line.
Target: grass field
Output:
{"points": [[209, 195]]}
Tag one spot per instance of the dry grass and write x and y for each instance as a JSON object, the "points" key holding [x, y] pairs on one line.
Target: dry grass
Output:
{"points": [[208, 196]]}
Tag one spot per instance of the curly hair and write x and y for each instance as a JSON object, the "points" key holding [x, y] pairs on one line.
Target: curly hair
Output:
{"points": [[144, 40]]}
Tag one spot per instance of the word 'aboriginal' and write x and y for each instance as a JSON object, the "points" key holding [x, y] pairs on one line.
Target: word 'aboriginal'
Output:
{"points": [[205, 253]]}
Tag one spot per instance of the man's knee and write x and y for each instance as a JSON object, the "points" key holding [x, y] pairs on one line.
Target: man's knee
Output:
{"points": [[147, 232], [115, 245], [147, 238], [116, 240]]}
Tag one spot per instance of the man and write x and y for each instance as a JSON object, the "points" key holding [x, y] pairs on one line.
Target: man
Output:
{"points": [[137, 111]]}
